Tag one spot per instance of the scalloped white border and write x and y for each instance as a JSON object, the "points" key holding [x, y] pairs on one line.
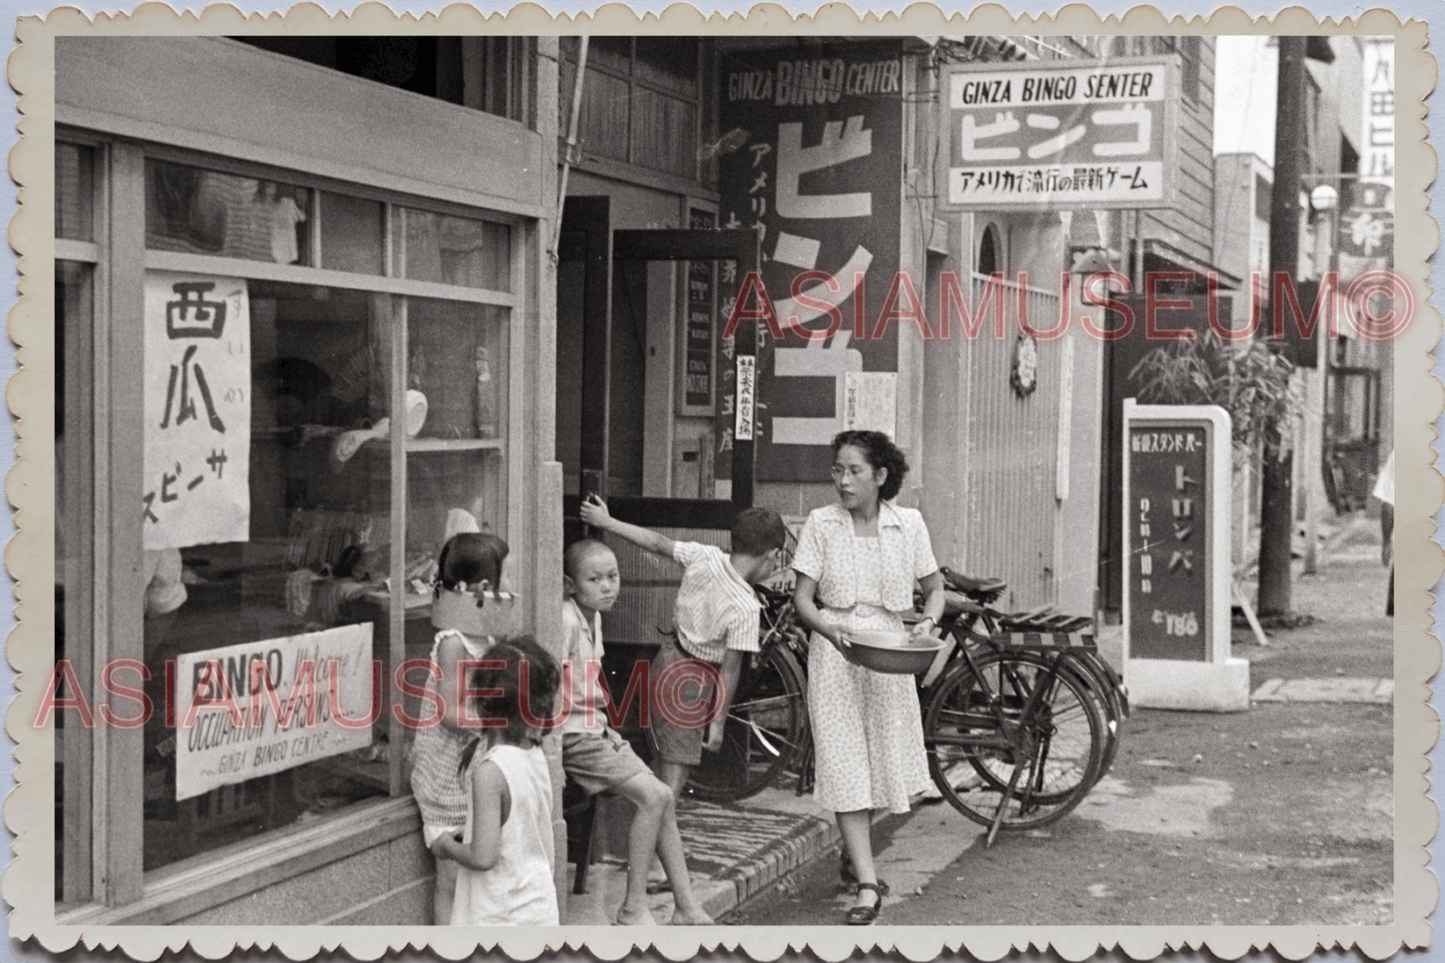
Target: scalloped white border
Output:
{"points": [[1419, 402]]}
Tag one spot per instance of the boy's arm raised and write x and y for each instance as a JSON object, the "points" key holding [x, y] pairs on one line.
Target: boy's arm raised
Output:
{"points": [[594, 513]]}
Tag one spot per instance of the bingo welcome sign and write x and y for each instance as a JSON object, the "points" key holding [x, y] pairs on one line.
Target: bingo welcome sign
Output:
{"points": [[1093, 134]]}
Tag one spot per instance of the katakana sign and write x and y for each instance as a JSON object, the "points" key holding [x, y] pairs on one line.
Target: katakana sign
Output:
{"points": [[812, 161], [197, 338], [1070, 133]]}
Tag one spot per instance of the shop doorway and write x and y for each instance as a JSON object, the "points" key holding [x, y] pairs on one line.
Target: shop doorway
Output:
{"points": [[616, 428]]}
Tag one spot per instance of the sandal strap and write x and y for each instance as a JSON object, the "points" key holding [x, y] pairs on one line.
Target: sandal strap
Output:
{"points": [[880, 887]]}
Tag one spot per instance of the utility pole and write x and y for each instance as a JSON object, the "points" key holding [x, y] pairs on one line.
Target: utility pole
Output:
{"points": [[1277, 478]]}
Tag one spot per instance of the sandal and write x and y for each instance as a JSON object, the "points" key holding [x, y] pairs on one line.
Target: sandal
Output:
{"points": [[865, 915]]}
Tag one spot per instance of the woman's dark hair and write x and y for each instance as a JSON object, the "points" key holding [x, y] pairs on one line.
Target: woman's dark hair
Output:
{"points": [[519, 683], [879, 452], [471, 557]]}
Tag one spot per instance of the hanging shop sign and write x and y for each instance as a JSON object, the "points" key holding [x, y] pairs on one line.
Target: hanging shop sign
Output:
{"points": [[812, 161], [249, 710], [1367, 226], [197, 340], [1094, 134]]}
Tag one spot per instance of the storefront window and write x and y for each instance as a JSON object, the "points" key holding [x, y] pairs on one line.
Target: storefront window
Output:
{"points": [[456, 250], [352, 234], [73, 300], [74, 189], [314, 512], [206, 212]]}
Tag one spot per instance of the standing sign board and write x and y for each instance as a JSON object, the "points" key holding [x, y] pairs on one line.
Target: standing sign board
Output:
{"points": [[1177, 559], [197, 337], [228, 728], [1044, 135]]}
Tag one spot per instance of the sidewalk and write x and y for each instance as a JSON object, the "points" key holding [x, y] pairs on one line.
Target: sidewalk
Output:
{"points": [[734, 851]]}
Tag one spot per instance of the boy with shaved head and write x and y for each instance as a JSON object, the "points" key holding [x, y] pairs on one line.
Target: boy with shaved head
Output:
{"points": [[596, 757]]}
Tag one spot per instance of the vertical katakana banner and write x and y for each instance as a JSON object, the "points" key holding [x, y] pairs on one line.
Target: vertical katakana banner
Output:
{"points": [[197, 410], [811, 158]]}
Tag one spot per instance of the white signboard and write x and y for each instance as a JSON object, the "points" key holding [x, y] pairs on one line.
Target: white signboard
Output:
{"points": [[1096, 134], [249, 710], [747, 397], [870, 401], [197, 410]]}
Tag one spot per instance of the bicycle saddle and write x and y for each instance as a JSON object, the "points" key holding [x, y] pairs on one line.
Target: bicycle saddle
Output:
{"points": [[979, 589]]}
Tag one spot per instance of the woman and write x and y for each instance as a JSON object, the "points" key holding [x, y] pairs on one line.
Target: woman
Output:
{"points": [[860, 558]]}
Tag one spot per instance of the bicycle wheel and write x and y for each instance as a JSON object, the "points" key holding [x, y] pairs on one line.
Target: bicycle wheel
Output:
{"points": [[1103, 683], [766, 726], [992, 744]]}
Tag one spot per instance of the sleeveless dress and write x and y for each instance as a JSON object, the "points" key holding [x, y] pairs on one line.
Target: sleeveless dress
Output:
{"points": [[436, 778], [518, 890], [867, 726]]}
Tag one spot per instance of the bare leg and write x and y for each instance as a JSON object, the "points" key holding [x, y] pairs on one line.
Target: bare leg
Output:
{"points": [[689, 911], [674, 775], [651, 799], [444, 893], [856, 828]]}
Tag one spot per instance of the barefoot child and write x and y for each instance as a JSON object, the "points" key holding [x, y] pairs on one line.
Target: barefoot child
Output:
{"points": [[596, 757], [469, 562], [505, 851], [716, 619]]}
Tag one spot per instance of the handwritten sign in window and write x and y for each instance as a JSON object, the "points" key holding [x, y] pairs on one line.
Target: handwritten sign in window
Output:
{"points": [[197, 338]]}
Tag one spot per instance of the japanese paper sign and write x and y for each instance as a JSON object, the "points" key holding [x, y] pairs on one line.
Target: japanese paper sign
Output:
{"points": [[1095, 134], [197, 410], [696, 395], [1168, 540], [812, 160], [258, 708]]}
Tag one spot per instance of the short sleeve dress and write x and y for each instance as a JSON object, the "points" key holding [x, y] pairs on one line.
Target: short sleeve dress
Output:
{"points": [[867, 727]]}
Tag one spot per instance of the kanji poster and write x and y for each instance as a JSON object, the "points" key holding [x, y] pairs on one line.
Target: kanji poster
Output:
{"points": [[811, 159], [197, 410]]}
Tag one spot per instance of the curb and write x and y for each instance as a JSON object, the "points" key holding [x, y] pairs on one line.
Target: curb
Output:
{"points": [[775, 862]]}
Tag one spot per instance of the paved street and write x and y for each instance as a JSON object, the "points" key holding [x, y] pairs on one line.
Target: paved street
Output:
{"points": [[1282, 814]]}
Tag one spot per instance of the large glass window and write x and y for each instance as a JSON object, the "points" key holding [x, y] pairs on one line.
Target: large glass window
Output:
{"points": [[284, 522]]}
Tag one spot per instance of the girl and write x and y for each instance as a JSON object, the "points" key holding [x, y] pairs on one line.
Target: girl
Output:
{"points": [[505, 852], [469, 561]]}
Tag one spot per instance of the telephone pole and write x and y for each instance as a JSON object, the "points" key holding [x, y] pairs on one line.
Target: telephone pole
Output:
{"points": [[1277, 477]]}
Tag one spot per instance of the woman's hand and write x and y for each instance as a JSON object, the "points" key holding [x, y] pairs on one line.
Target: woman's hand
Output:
{"points": [[838, 637], [925, 628]]}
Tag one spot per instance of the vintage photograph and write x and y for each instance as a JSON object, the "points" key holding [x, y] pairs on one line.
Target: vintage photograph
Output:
{"points": [[594, 478]]}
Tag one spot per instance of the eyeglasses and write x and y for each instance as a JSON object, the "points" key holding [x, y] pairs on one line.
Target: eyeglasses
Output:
{"points": [[852, 471]]}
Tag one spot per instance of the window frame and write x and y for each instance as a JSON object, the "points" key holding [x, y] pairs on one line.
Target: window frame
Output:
{"points": [[103, 817]]}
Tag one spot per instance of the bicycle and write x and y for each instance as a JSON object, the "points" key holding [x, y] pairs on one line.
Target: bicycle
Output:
{"points": [[1022, 721]]}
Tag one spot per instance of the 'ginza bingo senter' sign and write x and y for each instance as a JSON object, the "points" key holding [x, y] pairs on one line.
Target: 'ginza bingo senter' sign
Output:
{"points": [[1069, 133]]}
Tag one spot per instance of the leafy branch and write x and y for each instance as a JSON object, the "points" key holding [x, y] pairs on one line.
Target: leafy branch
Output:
{"points": [[1245, 378]]}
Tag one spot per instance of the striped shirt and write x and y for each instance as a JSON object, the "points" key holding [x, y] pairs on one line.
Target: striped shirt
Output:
{"points": [[715, 610]]}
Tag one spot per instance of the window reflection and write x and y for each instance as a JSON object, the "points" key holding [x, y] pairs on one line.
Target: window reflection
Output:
{"points": [[457, 250], [206, 212]]}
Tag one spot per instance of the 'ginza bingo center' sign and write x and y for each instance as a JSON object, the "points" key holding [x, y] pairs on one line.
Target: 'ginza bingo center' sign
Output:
{"points": [[1090, 134]]}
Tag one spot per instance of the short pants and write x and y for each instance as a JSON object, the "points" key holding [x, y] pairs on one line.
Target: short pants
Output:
{"points": [[683, 702], [599, 761]]}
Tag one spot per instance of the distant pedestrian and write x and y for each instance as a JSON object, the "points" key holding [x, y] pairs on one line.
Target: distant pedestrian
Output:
{"points": [[505, 849], [861, 557], [1385, 492]]}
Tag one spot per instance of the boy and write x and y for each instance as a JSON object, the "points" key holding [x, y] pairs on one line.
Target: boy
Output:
{"points": [[596, 757], [716, 620]]}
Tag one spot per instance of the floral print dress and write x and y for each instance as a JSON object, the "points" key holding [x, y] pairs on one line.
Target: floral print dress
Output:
{"points": [[867, 727]]}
